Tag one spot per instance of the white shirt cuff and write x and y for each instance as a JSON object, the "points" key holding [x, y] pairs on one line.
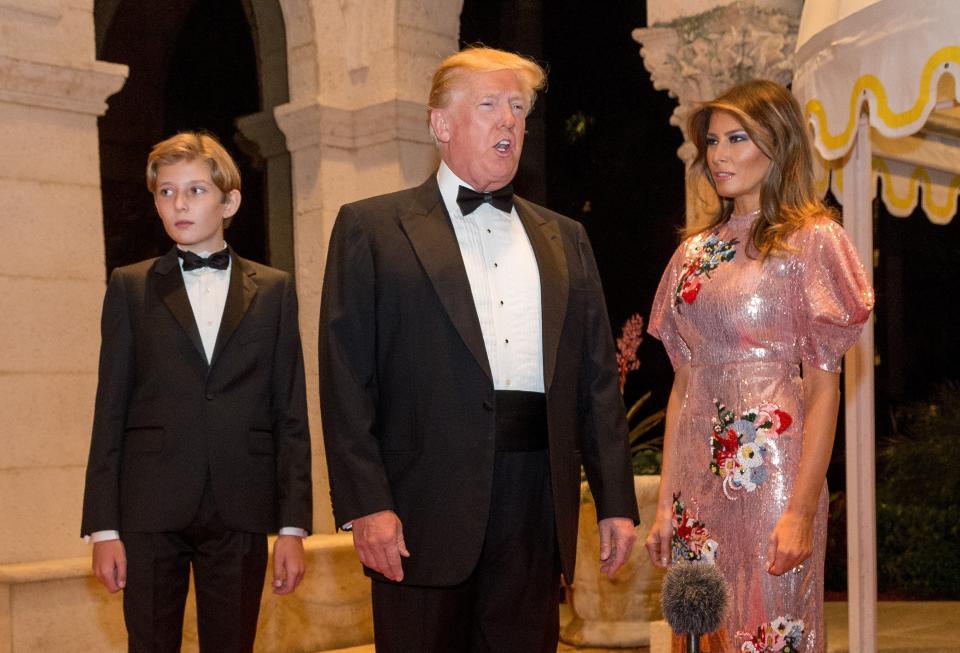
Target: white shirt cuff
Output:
{"points": [[293, 530], [101, 536]]}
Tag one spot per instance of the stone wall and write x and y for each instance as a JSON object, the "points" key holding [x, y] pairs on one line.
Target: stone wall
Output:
{"points": [[354, 125], [51, 273]]}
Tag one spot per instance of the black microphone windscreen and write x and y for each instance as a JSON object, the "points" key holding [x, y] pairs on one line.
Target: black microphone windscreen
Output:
{"points": [[694, 597]]}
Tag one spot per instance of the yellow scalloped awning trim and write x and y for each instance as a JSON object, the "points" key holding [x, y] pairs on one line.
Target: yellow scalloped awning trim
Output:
{"points": [[892, 119], [938, 213], [942, 213]]}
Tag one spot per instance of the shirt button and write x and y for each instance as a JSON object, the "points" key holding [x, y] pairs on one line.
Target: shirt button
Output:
{"points": [[495, 265], [488, 231], [209, 322], [501, 302], [508, 382], [507, 340]]}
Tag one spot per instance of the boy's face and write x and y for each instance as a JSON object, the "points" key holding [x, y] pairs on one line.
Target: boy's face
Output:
{"points": [[191, 206]]}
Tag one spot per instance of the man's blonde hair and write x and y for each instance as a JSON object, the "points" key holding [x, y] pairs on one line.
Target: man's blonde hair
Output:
{"points": [[483, 60]]}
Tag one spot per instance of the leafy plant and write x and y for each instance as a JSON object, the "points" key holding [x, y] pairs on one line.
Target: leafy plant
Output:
{"points": [[918, 517], [918, 482], [646, 446]]}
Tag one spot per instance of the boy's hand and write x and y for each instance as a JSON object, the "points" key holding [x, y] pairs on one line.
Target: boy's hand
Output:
{"points": [[288, 563], [110, 564]]}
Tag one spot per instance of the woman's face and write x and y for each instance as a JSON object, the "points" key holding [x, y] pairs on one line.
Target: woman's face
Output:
{"points": [[735, 162]]}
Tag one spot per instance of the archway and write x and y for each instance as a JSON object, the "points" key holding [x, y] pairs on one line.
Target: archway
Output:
{"points": [[194, 64]]}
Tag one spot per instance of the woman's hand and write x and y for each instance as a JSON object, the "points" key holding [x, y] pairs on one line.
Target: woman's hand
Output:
{"points": [[790, 543], [658, 539]]}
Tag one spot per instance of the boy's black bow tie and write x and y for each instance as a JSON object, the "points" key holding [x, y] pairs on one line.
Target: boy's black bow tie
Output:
{"points": [[218, 260], [469, 200]]}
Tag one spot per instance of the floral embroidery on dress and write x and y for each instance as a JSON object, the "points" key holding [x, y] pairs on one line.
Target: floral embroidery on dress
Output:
{"points": [[739, 444], [782, 635], [704, 260], [691, 540]]}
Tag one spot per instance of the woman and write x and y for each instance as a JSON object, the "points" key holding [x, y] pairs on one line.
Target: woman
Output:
{"points": [[756, 311]]}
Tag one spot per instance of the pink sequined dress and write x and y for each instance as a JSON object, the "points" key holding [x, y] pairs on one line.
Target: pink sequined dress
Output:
{"points": [[746, 327]]}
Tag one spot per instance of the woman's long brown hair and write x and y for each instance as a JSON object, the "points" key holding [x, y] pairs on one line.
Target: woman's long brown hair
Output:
{"points": [[772, 118]]}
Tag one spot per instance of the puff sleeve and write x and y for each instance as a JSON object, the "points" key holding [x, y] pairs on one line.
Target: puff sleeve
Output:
{"points": [[663, 314], [836, 296]]}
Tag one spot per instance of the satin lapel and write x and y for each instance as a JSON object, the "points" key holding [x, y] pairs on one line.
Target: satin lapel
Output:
{"points": [[239, 295], [547, 246], [428, 227], [174, 294]]}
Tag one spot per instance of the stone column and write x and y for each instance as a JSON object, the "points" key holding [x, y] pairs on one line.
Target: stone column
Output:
{"points": [[697, 49], [355, 125], [52, 269], [269, 148]]}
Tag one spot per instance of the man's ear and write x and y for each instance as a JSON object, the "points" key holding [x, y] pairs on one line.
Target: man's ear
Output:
{"points": [[439, 121], [231, 203]]}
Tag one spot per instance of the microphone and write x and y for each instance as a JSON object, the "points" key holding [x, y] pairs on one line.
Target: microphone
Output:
{"points": [[694, 599]]}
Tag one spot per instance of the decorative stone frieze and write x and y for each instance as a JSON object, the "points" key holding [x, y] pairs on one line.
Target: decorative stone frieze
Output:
{"points": [[695, 58]]}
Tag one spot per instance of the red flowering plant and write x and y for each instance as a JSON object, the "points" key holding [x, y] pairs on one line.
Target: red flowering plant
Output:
{"points": [[646, 448]]}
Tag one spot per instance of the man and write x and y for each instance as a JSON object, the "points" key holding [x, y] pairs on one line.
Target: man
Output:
{"points": [[467, 369]]}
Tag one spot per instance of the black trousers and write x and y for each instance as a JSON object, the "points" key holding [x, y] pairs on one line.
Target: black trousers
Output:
{"points": [[229, 569], [509, 604]]}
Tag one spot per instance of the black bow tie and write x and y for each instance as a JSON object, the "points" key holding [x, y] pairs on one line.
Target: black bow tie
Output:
{"points": [[469, 200], [218, 260]]}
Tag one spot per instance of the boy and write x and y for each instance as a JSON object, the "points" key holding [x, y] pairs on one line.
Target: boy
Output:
{"points": [[200, 443]]}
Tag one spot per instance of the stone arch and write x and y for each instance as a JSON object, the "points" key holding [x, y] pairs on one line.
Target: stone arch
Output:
{"points": [[142, 114], [263, 140]]}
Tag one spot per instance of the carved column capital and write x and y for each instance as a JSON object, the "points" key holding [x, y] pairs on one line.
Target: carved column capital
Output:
{"points": [[695, 58]]}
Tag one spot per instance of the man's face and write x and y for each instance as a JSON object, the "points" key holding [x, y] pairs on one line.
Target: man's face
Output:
{"points": [[481, 131]]}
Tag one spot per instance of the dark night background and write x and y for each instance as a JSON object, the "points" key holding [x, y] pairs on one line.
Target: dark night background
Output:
{"points": [[599, 149]]}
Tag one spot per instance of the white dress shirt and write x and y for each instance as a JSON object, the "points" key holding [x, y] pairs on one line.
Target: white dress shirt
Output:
{"points": [[505, 283], [207, 290]]}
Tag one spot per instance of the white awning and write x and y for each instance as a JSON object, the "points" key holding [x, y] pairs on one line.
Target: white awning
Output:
{"points": [[901, 58]]}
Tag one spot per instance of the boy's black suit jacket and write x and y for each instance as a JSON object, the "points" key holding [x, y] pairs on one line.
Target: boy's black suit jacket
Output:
{"points": [[166, 420], [407, 396]]}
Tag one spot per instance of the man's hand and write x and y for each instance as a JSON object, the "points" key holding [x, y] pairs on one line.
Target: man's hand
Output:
{"points": [[616, 540], [110, 564], [378, 539], [288, 563]]}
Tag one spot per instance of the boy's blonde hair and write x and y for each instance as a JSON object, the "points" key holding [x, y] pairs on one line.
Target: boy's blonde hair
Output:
{"points": [[190, 146]]}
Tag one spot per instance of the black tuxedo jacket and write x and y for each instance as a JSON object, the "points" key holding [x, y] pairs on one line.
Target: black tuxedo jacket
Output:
{"points": [[166, 420], [407, 396]]}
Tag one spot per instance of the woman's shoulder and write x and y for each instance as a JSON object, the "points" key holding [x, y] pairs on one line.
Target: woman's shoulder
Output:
{"points": [[817, 227]]}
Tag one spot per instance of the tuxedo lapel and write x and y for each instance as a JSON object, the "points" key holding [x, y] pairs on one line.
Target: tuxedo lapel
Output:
{"points": [[174, 295], [239, 296], [547, 246], [428, 227]]}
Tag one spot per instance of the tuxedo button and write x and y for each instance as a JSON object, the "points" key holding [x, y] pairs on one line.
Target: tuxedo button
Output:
{"points": [[488, 405], [210, 396]]}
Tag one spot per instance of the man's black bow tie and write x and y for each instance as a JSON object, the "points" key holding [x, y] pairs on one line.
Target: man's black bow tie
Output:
{"points": [[218, 260], [469, 200]]}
